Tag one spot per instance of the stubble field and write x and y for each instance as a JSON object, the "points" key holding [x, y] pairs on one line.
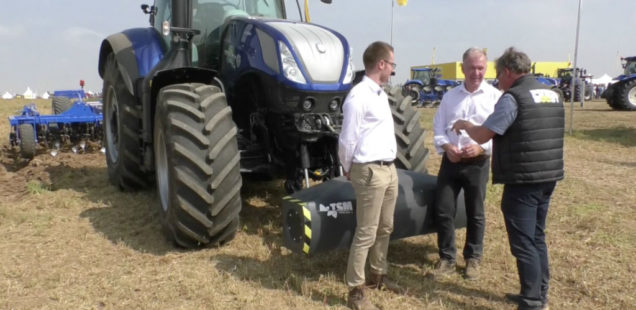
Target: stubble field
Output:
{"points": [[70, 240]]}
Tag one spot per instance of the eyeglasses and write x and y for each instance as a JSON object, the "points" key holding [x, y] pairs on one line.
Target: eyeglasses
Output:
{"points": [[394, 65]]}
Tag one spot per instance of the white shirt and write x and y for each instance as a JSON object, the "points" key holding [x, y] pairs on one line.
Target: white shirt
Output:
{"points": [[458, 103], [367, 128]]}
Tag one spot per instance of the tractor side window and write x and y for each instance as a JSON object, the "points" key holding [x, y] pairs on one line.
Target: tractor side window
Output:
{"points": [[264, 8], [630, 68]]}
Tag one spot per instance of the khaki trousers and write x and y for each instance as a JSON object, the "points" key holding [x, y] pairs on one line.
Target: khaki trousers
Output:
{"points": [[376, 189]]}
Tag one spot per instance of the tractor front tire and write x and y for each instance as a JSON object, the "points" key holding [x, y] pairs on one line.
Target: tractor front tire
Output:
{"points": [[122, 127], [625, 96], [197, 165], [27, 141], [411, 152], [60, 104]]}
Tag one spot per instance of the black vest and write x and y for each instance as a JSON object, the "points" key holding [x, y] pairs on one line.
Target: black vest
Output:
{"points": [[531, 150]]}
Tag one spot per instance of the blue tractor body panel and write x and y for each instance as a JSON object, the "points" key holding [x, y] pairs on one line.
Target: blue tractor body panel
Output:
{"points": [[251, 56], [147, 47]]}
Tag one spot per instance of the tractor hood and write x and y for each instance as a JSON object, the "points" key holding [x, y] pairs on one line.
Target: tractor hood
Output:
{"points": [[319, 50]]}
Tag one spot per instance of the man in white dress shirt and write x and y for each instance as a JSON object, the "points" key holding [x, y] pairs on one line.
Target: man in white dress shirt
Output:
{"points": [[366, 149], [465, 164]]}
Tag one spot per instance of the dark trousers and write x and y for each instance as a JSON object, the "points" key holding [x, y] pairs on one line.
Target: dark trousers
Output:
{"points": [[525, 207], [452, 177]]}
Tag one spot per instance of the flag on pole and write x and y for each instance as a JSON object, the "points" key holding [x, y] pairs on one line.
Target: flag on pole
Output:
{"points": [[401, 2]]}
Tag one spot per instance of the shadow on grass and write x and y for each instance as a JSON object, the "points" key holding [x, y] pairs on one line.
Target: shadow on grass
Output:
{"points": [[621, 135], [321, 278], [128, 218]]}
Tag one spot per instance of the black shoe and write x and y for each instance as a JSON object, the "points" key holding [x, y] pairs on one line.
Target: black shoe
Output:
{"points": [[516, 298]]}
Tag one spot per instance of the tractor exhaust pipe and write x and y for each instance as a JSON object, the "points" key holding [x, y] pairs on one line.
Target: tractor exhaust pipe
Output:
{"points": [[322, 218]]}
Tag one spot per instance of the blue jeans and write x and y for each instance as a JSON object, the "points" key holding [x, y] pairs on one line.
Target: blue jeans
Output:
{"points": [[525, 207]]}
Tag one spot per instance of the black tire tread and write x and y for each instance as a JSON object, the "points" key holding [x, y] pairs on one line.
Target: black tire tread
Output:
{"points": [[27, 141], [203, 161], [126, 173], [410, 135], [60, 104]]}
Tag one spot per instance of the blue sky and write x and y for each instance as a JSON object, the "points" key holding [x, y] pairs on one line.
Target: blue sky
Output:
{"points": [[52, 44]]}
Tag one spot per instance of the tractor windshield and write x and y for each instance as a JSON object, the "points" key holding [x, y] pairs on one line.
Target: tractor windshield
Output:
{"points": [[209, 16], [424, 76], [630, 67]]}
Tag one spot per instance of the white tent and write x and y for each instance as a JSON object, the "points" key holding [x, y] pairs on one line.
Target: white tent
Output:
{"points": [[6, 95], [46, 95], [603, 80], [29, 94]]}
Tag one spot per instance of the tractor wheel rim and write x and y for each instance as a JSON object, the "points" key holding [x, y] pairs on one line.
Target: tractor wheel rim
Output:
{"points": [[161, 162], [631, 95], [112, 119]]}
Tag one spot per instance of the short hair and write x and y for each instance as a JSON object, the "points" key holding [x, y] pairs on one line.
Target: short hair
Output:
{"points": [[513, 60], [473, 50], [375, 52]]}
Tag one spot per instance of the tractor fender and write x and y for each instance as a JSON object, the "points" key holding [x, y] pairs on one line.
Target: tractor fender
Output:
{"points": [[136, 50], [418, 82]]}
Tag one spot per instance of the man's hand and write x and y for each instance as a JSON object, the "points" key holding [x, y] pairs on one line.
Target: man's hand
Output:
{"points": [[461, 125], [472, 150], [452, 152], [347, 175]]}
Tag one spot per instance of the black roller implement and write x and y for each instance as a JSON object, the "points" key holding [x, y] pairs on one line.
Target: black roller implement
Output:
{"points": [[322, 217]]}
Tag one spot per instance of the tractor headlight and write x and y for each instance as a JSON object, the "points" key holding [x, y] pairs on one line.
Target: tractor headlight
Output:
{"points": [[307, 105], [438, 88], [290, 67], [165, 28], [333, 105], [427, 89], [350, 69]]}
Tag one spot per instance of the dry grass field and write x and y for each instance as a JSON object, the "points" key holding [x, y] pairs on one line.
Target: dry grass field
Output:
{"points": [[70, 240]]}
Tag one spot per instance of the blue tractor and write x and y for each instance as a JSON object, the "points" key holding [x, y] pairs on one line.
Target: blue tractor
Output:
{"points": [[217, 88], [567, 76], [621, 93], [426, 88]]}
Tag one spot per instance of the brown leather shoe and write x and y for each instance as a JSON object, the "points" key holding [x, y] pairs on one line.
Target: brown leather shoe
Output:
{"points": [[443, 268], [472, 269], [382, 282], [358, 301]]}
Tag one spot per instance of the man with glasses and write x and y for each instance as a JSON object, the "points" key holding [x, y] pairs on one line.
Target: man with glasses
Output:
{"points": [[366, 149], [465, 165]]}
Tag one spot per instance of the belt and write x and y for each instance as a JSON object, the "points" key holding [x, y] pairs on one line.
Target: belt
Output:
{"points": [[381, 162], [471, 160]]}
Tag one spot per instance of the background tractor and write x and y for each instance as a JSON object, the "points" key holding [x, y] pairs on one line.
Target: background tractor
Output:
{"points": [[426, 88], [213, 89], [567, 76], [621, 93]]}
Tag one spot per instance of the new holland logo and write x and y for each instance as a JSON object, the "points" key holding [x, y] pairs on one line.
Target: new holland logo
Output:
{"points": [[335, 208]]}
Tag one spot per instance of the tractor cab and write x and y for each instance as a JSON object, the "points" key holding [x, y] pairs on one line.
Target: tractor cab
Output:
{"points": [[208, 20], [426, 76], [629, 64]]}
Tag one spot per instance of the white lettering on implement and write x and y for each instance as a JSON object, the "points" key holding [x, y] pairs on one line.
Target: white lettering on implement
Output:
{"points": [[544, 96], [344, 207]]}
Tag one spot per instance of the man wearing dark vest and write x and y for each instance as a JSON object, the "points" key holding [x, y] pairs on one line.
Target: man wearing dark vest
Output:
{"points": [[527, 130]]}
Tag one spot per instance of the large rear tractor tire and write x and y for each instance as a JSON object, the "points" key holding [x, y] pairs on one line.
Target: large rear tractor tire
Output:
{"points": [[625, 96], [122, 122], [197, 165], [27, 140], [411, 152], [60, 104]]}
